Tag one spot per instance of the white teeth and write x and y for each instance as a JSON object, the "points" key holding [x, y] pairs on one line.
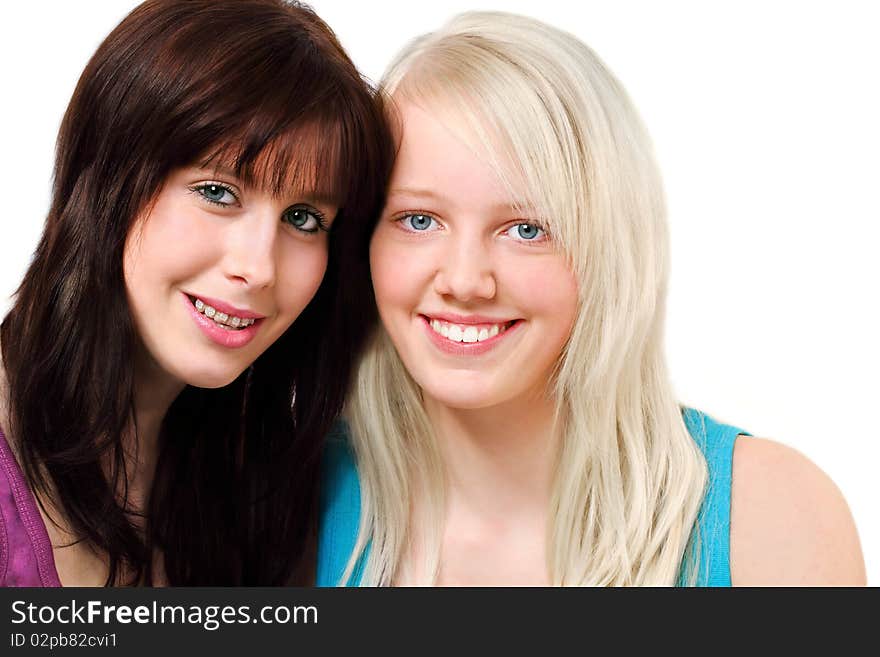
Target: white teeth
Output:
{"points": [[466, 333], [222, 319]]}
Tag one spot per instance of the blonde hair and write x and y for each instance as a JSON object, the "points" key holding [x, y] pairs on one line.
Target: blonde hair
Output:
{"points": [[549, 117]]}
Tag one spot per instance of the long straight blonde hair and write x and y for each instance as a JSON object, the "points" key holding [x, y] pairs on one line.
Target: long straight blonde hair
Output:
{"points": [[542, 108]]}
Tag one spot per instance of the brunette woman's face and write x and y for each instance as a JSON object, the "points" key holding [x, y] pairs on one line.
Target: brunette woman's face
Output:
{"points": [[216, 271], [476, 298]]}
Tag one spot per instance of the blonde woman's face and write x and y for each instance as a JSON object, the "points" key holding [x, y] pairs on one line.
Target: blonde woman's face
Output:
{"points": [[477, 299]]}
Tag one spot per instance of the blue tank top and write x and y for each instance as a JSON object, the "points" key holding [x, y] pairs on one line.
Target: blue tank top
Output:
{"points": [[341, 505]]}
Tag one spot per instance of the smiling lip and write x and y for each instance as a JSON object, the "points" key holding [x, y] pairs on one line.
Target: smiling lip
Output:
{"points": [[453, 318], [232, 339], [224, 307], [466, 348]]}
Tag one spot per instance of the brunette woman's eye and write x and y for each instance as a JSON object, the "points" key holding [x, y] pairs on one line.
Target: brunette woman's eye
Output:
{"points": [[216, 193], [304, 218]]}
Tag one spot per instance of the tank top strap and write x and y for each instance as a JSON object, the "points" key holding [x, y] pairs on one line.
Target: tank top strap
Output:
{"points": [[25, 551], [711, 542]]}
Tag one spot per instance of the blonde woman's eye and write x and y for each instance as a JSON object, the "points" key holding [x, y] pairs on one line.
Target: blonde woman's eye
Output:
{"points": [[418, 222], [304, 218], [216, 193], [526, 232]]}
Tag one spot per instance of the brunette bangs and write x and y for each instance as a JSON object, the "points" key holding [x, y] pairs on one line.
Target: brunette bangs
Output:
{"points": [[323, 157], [303, 132]]}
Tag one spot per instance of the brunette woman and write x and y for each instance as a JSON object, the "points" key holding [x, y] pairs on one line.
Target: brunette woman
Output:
{"points": [[182, 339]]}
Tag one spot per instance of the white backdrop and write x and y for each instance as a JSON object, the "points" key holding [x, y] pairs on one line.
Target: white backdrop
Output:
{"points": [[765, 119]]}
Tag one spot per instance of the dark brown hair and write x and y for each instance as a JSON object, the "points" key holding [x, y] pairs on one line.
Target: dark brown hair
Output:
{"points": [[264, 87]]}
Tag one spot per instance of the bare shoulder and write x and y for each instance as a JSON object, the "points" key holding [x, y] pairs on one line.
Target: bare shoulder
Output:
{"points": [[789, 523]]}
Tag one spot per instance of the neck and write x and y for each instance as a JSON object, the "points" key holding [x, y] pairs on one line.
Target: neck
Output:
{"points": [[499, 460], [154, 392]]}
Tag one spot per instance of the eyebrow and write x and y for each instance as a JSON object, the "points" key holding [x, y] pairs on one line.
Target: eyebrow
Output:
{"points": [[413, 191], [225, 171], [417, 192], [321, 199]]}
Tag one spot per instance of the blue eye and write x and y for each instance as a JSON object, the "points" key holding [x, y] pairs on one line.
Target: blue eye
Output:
{"points": [[304, 218], [216, 193], [526, 232], [418, 222]]}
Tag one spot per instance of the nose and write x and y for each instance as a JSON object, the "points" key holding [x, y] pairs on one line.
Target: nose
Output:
{"points": [[466, 271], [251, 252]]}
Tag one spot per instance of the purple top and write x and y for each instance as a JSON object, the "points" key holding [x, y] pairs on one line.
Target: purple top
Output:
{"points": [[25, 551]]}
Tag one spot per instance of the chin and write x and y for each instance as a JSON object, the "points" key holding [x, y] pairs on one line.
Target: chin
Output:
{"points": [[211, 378], [463, 398]]}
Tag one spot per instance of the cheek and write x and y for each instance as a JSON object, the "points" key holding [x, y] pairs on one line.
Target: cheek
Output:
{"points": [[145, 266], [300, 274], [548, 290], [399, 272], [170, 244]]}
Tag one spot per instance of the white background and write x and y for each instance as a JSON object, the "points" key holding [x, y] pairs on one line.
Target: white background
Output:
{"points": [[765, 117]]}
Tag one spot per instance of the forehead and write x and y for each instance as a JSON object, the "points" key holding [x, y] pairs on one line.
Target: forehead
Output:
{"points": [[441, 159]]}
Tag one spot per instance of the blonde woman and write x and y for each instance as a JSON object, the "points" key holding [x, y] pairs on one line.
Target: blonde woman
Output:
{"points": [[513, 422]]}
